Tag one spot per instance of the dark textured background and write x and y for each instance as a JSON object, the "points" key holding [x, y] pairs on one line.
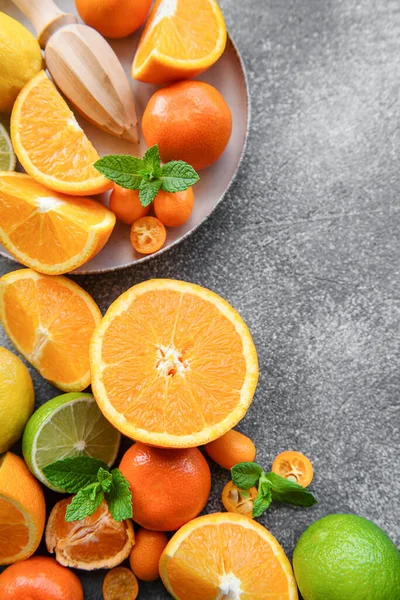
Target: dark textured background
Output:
{"points": [[306, 247]]}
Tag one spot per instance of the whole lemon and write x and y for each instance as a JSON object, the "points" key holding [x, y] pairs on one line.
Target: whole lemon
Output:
{"points": [[346, 557], [17, 398], [20, 60]]}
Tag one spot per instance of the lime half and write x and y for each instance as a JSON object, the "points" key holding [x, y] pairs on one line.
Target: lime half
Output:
{"points": [[66, 426], [7, 156]]}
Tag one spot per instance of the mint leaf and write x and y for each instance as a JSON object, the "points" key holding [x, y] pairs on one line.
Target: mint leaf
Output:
{"points": [[280, 484], [246, 474], [105, 479], [177, 176], [85, 503], [262, 501], [298, 498], [148, 191], [122, 169], [119, 498], [72, 474], [152, 162]]}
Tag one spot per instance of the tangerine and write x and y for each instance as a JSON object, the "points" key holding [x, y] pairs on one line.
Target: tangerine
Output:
{"points": [[169, 487], [145, 554], [39, 578], [174, 209], [126, 205], [189, 121], [113, 18]]}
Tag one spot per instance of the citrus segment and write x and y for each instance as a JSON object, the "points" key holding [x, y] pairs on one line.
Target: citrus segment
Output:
{"points": [[49, 142], [7, 156], [182, 38], [22, 510], [226, 556], [50, 321], [67, 426], [173, 364], [95, 542], [47, 231]]}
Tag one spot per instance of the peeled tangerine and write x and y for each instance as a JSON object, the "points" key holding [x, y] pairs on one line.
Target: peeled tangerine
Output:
{"points": [[95, 542], [224, 555]]}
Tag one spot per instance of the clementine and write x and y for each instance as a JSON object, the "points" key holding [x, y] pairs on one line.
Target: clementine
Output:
{"points": [[169, 487], [95, 542], [39, 578], [145, 554], [126, 205], [113, 18], [173, 210], [189, 121]]}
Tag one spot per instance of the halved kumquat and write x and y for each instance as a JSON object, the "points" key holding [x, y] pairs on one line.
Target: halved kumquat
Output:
{"points": [[294, 466], [148, 235]]}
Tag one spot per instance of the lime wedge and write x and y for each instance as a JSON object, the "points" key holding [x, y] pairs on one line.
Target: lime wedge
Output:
{"points": [[68, 425], [7, 156]]}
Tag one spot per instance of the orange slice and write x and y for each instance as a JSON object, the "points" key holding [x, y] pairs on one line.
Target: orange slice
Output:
{"points": [[22, 510], [50, 143], [224, 555], [47, 231], [50, 321], [95, 542], [182, 38], [173, 364]]}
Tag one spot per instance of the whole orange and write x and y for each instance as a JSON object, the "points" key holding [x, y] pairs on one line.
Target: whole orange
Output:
{"points": [[174, 209], [39, 578], [169, 487], [126, 205], [145, 554], [189, 121], [113, 18]]}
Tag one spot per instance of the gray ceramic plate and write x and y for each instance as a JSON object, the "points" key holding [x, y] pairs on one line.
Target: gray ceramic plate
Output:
{"points": [[228, 75]]}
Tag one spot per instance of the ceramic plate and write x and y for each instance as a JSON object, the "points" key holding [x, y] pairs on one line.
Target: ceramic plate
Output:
{"points": [[228, 75]]}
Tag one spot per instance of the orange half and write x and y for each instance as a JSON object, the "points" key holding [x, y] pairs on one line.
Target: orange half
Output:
{"points": [[49, 142], [50, 321], [224, 555], [47, 231], [182, 38], [173, 364], [22, 510]]}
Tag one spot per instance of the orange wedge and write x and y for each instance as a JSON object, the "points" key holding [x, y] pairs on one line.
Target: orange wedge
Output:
{"points": [[50, 143], [224, 555], [173, 364], [182, 38], [47, 231], [50, 321], [22, 510]]}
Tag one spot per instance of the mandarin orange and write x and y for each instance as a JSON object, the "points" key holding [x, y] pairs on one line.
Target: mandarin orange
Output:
{"points": [[189, 121], [113, 18], [169, 487]]}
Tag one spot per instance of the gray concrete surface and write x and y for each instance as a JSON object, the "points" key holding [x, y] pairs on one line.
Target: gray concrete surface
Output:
{"points": [[306, 247]]}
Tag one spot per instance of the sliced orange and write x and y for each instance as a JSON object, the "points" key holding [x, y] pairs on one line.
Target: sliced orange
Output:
{"points": [[22, 510], [182, 38], [50, 321], [224, 555], [50, 143], [173, 364], [47, 231], [95, 542]]}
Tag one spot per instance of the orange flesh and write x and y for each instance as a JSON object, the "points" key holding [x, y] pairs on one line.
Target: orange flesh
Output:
{"points": [[44, 317], [14, 534], [120, 584], [174, 38], [213, 551], [29, 229], [50, 134], [239, 501], [174, 363], [293, 466]]}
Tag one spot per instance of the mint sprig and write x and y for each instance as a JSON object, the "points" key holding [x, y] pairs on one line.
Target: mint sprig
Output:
{"points": [[271, 487], [146, 174], [92, 482]]}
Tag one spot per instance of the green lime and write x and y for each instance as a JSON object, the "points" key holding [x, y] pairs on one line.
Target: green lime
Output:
{"points": [[69, 425], [346, 557], [7, 156]]}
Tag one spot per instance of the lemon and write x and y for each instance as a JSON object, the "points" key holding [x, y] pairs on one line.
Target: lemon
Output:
{"points": [[346, 557], [20, 60], [17, 398], [7, 156]]}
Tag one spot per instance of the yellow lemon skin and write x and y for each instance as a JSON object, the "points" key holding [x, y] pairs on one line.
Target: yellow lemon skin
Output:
{"points": [[20, 60], [17, 398]]}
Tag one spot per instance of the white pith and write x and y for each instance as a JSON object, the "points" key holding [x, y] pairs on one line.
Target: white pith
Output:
{"points": [[167, 9], [229, 587], [47, 203], [170, 361]]}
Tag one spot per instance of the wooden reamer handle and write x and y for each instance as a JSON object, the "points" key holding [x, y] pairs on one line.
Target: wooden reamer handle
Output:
{"points": [[45, 16]]}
